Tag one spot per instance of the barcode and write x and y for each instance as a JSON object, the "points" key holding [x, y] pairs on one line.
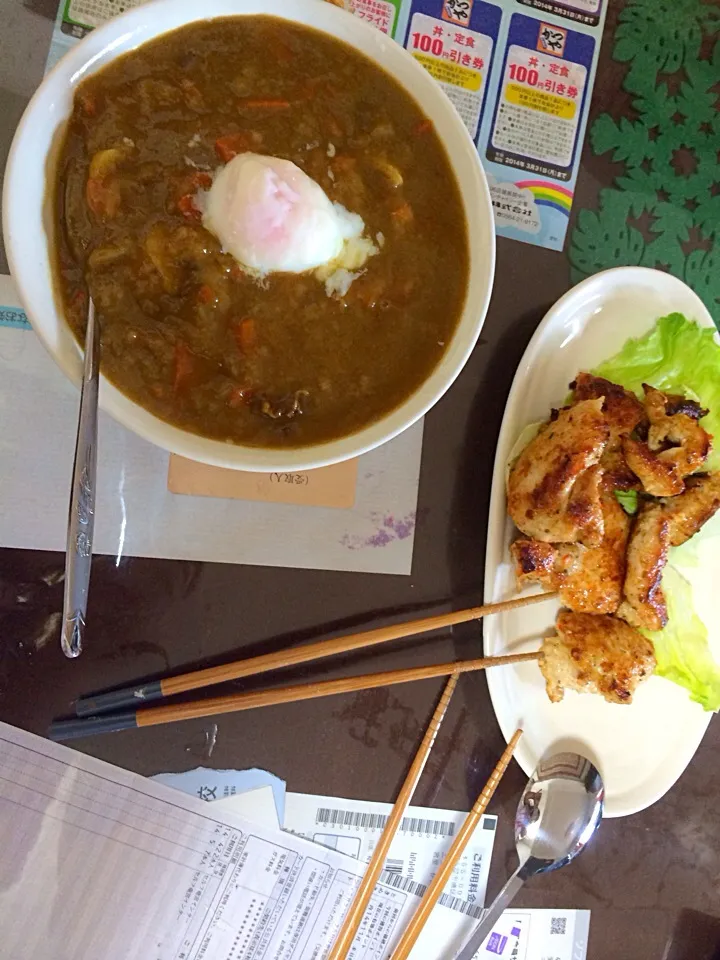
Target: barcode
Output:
{"points": [[394, 866], [558, 924], [410, 886], [328, 817]]}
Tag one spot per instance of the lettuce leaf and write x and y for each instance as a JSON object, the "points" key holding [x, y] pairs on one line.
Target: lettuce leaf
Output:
{"points": [[677, 356], [688, 555], [682, 649], [628, 500]]}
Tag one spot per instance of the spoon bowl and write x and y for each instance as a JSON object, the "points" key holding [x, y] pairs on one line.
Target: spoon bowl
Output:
{"points": [[559, 811]]}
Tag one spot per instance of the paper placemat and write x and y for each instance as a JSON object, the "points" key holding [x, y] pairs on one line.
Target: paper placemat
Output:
{"points": [[136, 514]]}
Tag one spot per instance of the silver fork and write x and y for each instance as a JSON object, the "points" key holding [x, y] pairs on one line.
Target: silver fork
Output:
{"points": [[81, 519]]}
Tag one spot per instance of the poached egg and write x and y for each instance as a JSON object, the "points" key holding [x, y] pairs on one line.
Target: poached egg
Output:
{"points": [[270, 216]]}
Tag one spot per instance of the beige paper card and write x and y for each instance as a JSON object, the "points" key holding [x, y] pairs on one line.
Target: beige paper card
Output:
{"points": [[332, 486]]}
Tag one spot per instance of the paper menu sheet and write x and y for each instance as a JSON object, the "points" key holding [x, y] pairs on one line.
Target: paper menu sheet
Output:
{"points": [[96, 862], [355, 826]]}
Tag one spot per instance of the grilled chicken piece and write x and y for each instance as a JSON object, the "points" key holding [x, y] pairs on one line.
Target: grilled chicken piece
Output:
{"points": [[674, 422], [687, 513], [546, 563], [590, 579], [622, 409], [584, 508], [595, 583], [676, 447], [659, 526], [661, 406], [644, 604], [616, 471], [595, 654], [659, 477], [624, 413], [554, 485]]}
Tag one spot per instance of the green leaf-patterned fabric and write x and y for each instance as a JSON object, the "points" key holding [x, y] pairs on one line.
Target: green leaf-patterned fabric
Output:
{"points": [[670, 154]]}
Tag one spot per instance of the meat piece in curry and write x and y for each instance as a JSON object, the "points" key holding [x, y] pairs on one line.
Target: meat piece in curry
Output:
{"points": [[185, 331]]}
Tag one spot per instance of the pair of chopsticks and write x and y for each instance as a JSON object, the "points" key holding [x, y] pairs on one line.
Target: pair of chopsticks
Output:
{"points": [[363, 895], [96, 714]]}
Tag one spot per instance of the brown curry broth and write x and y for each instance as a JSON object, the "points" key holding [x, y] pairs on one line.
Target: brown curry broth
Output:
{"points": [[170, 324]]}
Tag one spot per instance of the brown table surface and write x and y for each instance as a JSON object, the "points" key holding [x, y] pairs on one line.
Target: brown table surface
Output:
{"points": [[149, 617]]}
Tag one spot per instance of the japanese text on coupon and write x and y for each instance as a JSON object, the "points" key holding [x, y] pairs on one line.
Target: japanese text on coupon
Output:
{"points": [[521, 83]]}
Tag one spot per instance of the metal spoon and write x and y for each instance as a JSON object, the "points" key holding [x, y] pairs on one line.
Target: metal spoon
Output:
{"points": [[81, 519], [558, 814]]}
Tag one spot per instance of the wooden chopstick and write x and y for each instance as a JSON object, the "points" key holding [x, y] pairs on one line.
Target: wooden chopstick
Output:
{"points": [[170, 712], [143, 693], [449, 861], [364, 892]]}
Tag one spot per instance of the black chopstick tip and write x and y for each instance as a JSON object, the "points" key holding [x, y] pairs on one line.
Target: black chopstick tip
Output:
{"points": [[127, 697], [73, 729]]}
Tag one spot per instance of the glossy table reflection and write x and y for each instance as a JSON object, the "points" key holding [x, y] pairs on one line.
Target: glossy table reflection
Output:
{"points": [[640, 877]]}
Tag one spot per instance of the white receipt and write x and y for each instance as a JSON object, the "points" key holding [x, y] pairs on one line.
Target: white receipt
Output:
{"points": [[354, 827], [257, 805], [99, 862]]}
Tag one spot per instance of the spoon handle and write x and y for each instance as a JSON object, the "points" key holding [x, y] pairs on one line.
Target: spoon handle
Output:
{"points": [[81, 519], [500, 903]]}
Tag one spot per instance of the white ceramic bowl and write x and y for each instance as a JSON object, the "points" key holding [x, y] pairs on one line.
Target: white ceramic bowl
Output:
{"points": [[27, 222]]}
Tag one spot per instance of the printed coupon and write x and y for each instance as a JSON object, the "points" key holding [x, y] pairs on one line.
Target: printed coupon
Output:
{"points": [[538, 112], [539, 107], [582, 11], [457, 57], [380, 14]]}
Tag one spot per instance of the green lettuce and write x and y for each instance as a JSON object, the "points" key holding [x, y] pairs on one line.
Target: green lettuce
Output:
{"points": [[628, 500], [689, 554], [682, 650], [678, 356]]}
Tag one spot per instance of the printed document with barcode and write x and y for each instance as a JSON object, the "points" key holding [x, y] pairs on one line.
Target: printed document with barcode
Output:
{"points": [[97, 862], [354, 827]]}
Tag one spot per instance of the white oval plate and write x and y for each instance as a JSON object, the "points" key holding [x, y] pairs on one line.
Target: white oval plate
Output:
{"points": [[640, 749]]}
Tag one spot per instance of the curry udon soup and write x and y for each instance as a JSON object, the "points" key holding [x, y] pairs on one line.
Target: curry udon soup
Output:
{"points": [[270, 230]]}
